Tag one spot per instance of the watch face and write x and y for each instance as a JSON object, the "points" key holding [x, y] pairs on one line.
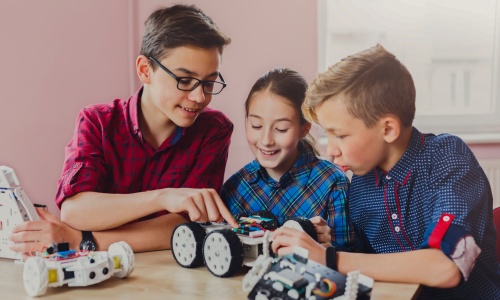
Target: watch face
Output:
{"points": [[87, 246]]}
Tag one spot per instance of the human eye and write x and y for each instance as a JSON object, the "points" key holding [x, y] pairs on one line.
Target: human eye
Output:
{"points": [[281, 130], [186, 82], [255, 125], [209, 84], [340, 137]]}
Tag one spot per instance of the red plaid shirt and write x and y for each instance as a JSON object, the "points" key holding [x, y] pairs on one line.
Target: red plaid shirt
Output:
{"points": [[108, 154]]}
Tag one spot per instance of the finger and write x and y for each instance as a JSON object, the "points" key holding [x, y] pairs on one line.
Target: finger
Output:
{"points": [[224, 211], [284, 251], [211, 206], [200, 203], [282, 238], [326, 245], [28, 248], [29, 226], [277, 243], [318, 221], [324, 238], [26, 236], [44, 214], [192, 209], [322, 229]]}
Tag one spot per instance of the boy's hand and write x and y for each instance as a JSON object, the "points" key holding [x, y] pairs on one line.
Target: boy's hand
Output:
{"points": [[285, 239], [202, 205], [29, 235], [323, 231]]}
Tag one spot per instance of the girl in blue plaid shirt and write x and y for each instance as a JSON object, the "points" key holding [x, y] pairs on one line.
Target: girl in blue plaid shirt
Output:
{"points": [[287, 177]]}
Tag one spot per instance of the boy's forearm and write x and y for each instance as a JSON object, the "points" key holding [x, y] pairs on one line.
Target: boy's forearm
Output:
{"points": [[149, 235], [99, 211], [427, 266]]}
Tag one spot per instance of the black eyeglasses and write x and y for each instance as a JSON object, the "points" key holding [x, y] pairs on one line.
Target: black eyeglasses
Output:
{"points": [[187, 84]]}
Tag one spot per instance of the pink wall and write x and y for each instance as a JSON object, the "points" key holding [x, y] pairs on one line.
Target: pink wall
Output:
{"points": [[60, 55], [56, 57]]}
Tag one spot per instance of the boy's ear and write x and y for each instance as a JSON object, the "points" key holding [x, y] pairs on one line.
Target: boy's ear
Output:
{"points": [[392, 128], [143, 67], [305, 130]]}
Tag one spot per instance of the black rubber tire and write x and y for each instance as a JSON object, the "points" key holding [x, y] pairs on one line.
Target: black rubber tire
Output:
{"points": [[306, 225], [198, 233], [234, 252]]}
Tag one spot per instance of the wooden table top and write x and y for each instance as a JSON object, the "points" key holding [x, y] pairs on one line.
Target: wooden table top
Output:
{"points": [[157, 276]]}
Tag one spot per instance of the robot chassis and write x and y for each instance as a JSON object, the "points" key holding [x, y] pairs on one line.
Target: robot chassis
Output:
{"points": [[294, 277], [77, 269], [224, 249]]}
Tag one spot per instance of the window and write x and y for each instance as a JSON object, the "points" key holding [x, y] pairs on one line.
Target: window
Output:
{"points": [[451, 48]]}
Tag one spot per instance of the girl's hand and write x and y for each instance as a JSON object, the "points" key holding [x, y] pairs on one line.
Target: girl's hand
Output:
{"points": [[323, 231]]}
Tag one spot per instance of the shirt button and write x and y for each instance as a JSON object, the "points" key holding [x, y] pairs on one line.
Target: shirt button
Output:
{"points": [[397, 229], [394, 216], [388, 177], [446, 218]]}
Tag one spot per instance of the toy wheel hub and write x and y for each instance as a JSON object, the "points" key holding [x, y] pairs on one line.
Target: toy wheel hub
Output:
{"points": [[217, 253]]}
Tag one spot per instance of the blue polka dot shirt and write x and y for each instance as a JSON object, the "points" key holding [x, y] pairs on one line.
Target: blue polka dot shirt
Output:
{"points": [[436, 196]]}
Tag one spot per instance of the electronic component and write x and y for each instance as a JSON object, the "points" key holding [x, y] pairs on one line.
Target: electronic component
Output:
{"points": [[289, 278]]}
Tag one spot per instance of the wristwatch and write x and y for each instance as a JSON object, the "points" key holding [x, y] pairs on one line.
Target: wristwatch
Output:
{"points": [[331, 258], [88, 242]]}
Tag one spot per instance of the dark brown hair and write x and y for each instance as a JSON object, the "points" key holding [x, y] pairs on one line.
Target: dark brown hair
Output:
{"points": [[290, 85], [180, 25]]}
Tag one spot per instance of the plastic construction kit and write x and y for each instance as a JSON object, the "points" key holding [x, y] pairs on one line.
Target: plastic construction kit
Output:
{"points": [[295, 277], [76, 268], [15, 208], [224, 249]]}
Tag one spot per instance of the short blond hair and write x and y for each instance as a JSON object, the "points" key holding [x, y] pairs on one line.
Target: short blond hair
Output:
{"points": [[374, 82]]}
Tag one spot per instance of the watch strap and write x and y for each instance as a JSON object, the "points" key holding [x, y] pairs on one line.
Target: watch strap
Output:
{"points": [[88, 238], [331, 258]]}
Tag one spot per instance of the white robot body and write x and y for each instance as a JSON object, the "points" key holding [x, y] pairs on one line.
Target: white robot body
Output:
{"points": [[15, 208]]}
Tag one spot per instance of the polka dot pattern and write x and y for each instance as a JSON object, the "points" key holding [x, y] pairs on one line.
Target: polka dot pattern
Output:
{"points": [[437, 174]]}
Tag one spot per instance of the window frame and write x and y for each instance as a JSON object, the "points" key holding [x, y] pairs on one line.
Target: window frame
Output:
{"points": [[474, 128]]}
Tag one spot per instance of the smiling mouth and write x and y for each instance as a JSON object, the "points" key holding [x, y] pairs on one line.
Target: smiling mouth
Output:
{"points": [[268, 152], [189, 109]]}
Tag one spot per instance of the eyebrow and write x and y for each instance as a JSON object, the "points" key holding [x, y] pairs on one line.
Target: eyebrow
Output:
{"points": [[277, 120], [191, 73]]}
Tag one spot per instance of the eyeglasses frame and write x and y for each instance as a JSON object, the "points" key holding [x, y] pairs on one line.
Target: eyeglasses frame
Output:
{"points": [[179, 78]]}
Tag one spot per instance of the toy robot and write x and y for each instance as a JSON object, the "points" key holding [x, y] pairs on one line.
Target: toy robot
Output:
{"points": [[294, 277], [15, 208], [77, 269], [224, 249]]}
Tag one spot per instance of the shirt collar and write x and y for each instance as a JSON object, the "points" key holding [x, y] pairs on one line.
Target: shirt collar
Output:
{"points": [[402, 170], [133, 112], [299, 172]]}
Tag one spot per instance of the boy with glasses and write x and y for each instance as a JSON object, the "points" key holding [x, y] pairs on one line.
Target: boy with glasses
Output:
{"points": [[136, 168]]}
